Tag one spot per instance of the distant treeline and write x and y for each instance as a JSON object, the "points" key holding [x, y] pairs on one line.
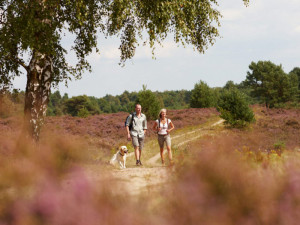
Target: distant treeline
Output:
{"points": [[265, 83], [81, 105]]}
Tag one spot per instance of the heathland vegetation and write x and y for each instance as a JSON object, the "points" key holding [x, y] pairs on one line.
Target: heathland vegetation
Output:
{"points": [[265, 83], [228, 176], [221, 176], [244, 176]]}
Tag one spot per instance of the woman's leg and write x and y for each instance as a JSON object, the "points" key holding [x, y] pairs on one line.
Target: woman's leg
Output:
{"points": [[169, 153], [168, 144], [161, 148], [162, 155]]}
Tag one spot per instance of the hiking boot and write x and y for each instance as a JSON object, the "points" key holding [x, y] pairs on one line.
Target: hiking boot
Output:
{"points": [[138, 162]]}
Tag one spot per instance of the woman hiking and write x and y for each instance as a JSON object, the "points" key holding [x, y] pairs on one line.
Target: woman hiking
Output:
{"points": [[164, 126]]}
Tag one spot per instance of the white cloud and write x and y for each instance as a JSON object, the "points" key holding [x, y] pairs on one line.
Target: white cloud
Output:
{"points": [[168, 49], [297, 29], [231, 14], [109, 52]]}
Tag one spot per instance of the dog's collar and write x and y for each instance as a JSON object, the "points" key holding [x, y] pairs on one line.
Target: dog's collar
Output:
{"points": [[121, 154]]}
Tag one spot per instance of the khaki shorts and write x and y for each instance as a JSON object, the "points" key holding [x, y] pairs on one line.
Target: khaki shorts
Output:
{"points": [[138, 141], [162, 139]]}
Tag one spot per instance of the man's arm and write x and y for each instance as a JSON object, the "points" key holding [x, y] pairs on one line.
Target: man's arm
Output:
{"points": [[128, 133], [145, 125], [127, 127]]}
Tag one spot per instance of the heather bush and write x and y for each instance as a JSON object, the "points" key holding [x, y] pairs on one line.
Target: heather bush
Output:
{"points": [[218, 185], [46, 183], [232, 177], [234, 108]]}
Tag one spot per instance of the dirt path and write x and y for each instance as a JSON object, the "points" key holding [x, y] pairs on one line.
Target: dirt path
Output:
{"points": [[176, 143], [149, 177]]}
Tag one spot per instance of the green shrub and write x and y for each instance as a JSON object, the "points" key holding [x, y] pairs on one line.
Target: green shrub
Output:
{"points": [[149, 102], [202, 96], [83, 112], [83, 103], [234, 108]]}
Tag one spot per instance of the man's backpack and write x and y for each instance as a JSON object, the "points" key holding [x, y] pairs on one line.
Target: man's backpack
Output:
{"points": [[131, 122]]}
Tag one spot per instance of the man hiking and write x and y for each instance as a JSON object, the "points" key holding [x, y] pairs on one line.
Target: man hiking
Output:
{"points": [[136, 127]]}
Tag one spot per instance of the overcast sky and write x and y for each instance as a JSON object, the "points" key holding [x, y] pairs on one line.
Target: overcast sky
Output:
{"points": [[266, 30]]}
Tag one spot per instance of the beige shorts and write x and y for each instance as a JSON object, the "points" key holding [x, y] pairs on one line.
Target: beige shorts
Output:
{"points": [[162, 139], [138, 141]]}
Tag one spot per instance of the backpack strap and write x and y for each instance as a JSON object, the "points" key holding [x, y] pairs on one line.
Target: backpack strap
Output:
{"points": [[132, 119], [159, 123]]}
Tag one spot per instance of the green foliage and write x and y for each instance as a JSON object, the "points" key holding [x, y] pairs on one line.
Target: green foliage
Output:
{"points": [[55, 105], [149, 102], [230, 84], [271, 84], [293, 73], [296, 71], [104, 105], [77, 106], [279, 145], [175, 99], [83, 112], [202, 96], [38, 26], [124, 102], [234, 108]]}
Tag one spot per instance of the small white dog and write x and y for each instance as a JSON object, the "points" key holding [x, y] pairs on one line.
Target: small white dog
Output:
{"points": [[120, 157]]}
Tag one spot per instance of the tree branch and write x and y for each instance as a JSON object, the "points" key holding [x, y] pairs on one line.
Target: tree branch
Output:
{"points": [[19, 61], [2, 16]]}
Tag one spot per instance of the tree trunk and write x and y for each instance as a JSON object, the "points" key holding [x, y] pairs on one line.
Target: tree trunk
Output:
{"points": [[39, 76]]}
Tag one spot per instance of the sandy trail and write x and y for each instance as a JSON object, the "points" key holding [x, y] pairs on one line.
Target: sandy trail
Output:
{"points": [[151, 177], [200, 132]]}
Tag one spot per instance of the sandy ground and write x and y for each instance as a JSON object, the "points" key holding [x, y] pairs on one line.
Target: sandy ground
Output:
{"points": [[153, 175]]}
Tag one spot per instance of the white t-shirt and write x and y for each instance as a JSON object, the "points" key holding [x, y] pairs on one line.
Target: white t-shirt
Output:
{"points": [[164, 127]]}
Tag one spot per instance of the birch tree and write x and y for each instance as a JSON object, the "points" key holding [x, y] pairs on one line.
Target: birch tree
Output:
{"points": [[34, 28]]}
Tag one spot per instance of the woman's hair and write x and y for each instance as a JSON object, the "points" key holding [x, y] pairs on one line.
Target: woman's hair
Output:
{"points": [[162, 110]]}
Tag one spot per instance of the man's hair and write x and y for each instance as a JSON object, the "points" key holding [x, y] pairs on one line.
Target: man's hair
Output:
{"points": [[137, 105]]}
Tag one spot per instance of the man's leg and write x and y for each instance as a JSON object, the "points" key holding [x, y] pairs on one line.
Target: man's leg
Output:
{"points": [[141, 146], [135, 143], [137, 154]]}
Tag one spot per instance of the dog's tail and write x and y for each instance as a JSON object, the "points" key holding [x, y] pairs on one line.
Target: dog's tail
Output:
{"points": [[113, 159]]}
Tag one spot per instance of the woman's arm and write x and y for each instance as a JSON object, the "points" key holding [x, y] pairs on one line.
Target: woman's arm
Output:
{"points": [[171, 125], [154, 126]]}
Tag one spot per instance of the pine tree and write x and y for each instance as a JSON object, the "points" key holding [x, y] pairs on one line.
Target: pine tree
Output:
{"points": [[149, 102], [234, 108]]}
